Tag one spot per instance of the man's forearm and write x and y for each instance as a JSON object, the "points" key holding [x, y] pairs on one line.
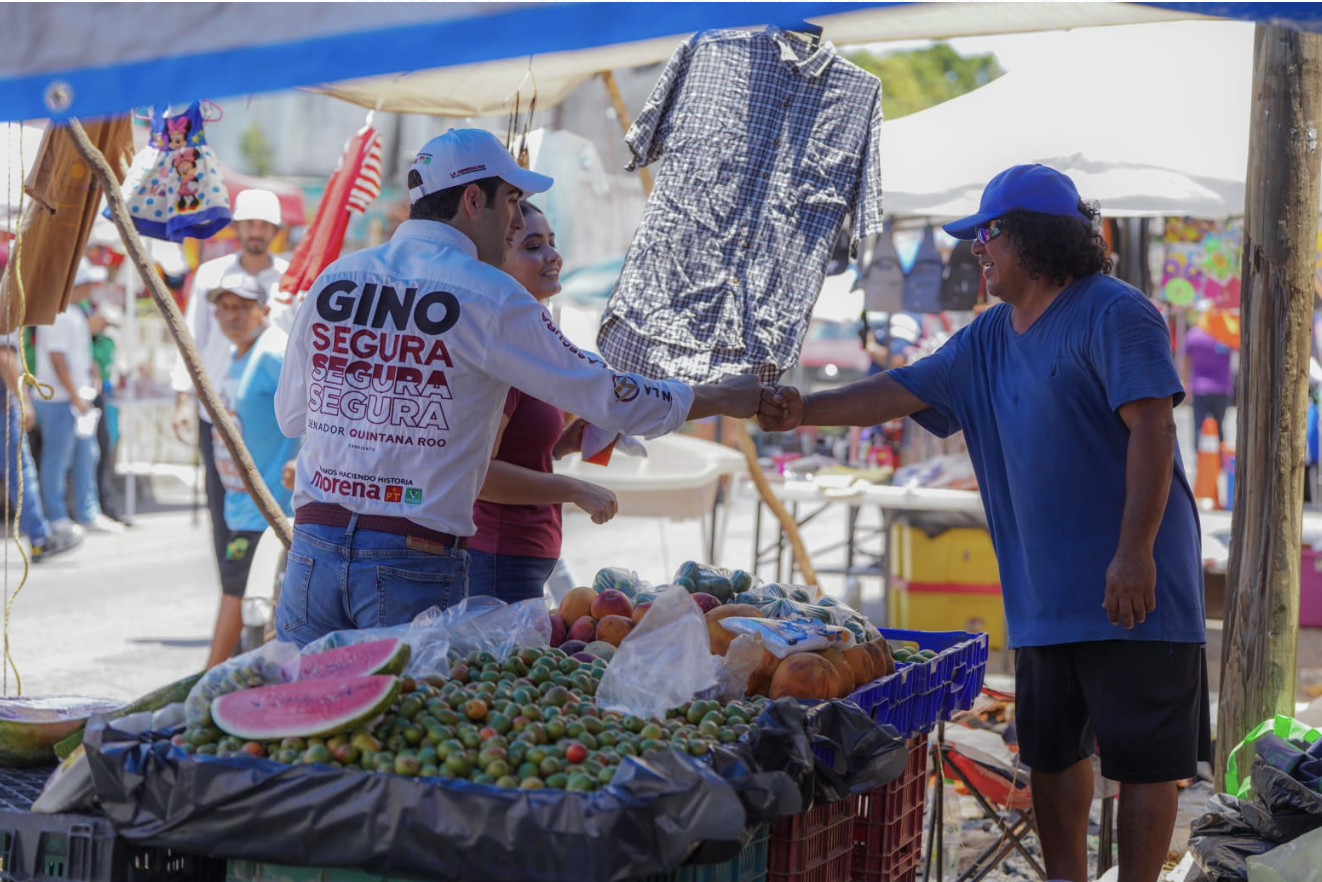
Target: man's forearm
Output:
{"points": [[1149, 465], [868, 402], [510, 484]]}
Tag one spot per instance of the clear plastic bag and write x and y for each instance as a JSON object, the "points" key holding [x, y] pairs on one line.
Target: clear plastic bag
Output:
{"points": [[485, 624], [736, 667], [720, 583], [664, 662], [427, 639], [627, 582], [274, 662], [1296, 861]]}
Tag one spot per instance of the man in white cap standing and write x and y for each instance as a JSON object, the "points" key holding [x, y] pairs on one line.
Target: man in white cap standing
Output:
{"points": [[398, 367], [256, 222]]}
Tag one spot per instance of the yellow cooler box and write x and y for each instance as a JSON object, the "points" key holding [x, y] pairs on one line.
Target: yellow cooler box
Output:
{"points": [[945, 582]]}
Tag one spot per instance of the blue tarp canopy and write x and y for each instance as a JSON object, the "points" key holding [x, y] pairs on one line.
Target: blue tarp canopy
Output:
{"points": [[94, 59]]}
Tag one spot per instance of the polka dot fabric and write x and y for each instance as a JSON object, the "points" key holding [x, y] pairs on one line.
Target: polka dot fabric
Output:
{"points": [[174, 190]]}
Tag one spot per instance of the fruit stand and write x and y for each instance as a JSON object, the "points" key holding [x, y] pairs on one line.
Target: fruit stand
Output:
{"points": [[506, 742]]}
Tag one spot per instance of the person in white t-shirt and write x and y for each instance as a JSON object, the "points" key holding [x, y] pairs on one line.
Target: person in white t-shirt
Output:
{"points": [[256, 223], [398, 367], [68, 419]]}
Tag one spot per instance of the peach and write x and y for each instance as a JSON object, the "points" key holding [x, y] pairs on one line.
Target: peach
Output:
{"points": [[558, 629], [843, 670], [611, 603], [805, 675], [576, 605], [721, 637], [584, 629], [641, 610], [614, 629]]}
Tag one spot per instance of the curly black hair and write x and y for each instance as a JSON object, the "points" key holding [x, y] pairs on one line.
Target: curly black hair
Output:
{"points": [[1056, 247]]}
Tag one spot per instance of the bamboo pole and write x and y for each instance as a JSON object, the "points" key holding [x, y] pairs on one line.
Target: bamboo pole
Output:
{"points": [[174, 321], [1261, 629], [787, 524]]}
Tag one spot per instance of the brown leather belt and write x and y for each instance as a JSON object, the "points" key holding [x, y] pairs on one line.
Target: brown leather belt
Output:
{"points": [[327, 514]]}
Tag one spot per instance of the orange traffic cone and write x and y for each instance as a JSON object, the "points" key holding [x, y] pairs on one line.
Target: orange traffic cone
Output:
{"points": [[1205, 488]]}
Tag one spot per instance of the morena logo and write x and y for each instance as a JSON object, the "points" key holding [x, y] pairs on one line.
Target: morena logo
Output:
{"points": [[626, 388]]}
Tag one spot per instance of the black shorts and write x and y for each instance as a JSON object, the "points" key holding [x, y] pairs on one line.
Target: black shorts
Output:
{"points": [[237, 561], [1141, 705]]}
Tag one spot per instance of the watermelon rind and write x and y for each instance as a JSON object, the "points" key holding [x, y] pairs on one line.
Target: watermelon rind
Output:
{"points": [[304, 708], [30, 726], [389, 656], [152, 701]]}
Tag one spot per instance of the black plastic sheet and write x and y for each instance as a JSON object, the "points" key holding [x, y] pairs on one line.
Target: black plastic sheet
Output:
{"points": [[650, 820], [1282, 808], [1221, 840]]}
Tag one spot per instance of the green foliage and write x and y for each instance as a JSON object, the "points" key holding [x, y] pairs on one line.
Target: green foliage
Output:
{"points": [[915, 79], [256, 150]]}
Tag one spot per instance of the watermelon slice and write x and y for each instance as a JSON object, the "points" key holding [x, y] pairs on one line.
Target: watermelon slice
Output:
{"points": [[389, 656], [29, 727], [304, 709]]}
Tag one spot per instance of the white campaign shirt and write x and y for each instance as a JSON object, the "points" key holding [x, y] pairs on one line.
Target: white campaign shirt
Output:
{"points": [[200, 316], [397, 370], [71, 336]]}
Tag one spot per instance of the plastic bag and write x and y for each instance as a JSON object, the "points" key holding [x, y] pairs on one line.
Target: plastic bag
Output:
{"points": [[274, 662], [664, 662], [622, 580], [720, 583], [1279, 725], [782, 637], [1296, 861], [485, 624], [1221, 840], [734, 669], [427, 639], [1282, 809]]}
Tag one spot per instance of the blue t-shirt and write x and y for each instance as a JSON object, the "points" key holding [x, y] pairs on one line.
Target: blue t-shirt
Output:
{"points": [[1040, 410], [249, 393]]}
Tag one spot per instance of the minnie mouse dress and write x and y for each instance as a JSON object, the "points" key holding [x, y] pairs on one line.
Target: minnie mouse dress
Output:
{"points": [[174, 190]]}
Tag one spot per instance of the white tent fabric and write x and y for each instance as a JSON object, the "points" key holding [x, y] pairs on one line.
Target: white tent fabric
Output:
{"points": [[92, 59], [488, 87], [1154, 126]]}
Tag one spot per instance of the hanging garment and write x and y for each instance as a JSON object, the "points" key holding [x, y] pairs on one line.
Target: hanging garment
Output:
{"points": [[768, 145], [962, 280], [882, 280], [922, 284], [63, 198], [174, 190], [354, 184]]}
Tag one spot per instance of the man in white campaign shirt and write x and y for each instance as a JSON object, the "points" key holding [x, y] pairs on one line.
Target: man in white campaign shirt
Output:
{"points": [[397, 370]]}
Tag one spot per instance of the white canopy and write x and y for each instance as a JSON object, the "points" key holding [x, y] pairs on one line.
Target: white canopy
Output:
{"points": [[1143, 120]]}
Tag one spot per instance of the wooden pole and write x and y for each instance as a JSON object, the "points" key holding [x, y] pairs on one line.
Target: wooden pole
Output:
{"points": [[622, 112], [801, 557], [174, 321], [1258, 655]]}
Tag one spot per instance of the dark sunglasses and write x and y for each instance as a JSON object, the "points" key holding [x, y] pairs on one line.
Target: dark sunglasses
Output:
{"points": [[988, 231]]}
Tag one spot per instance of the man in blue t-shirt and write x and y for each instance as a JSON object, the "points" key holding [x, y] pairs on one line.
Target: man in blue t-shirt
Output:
{"points": [[248, 391], [1065, 392]]}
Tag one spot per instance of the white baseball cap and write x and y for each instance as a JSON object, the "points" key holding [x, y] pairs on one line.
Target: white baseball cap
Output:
{"points": [[242, 285], [462, 156], [262, 205], [89, 273]]}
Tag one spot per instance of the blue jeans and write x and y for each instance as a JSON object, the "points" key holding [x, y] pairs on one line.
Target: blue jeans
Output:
{"points": [[63, 453], [341, 578], [507, 577], [32, 520]]}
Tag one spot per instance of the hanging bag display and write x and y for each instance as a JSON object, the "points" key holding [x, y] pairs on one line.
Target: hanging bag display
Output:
{"points": [[962, 279], [922, 285], [883, 277], [174, 190]]}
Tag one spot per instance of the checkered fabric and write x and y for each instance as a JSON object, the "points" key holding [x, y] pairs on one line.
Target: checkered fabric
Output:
{"points": [[768, 144]]}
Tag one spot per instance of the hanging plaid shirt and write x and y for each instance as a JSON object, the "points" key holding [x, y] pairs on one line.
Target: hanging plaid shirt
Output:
{"points": [[768, 144]]}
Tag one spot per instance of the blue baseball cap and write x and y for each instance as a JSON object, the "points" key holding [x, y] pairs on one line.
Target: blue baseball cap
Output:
{"points": [[1026, 188]]}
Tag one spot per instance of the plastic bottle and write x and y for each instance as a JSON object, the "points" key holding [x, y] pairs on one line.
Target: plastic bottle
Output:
{"points": [[952, 822]]}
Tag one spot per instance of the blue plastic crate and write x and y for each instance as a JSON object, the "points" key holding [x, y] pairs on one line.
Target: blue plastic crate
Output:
{"points": [[921, 693]]}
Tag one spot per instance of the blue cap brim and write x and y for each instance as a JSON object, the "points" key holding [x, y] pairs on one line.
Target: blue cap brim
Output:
{"points": [[966, 228]]}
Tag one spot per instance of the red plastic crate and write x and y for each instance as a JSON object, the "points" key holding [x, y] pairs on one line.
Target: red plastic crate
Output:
{"points": [[888, 824], [814, 846]]}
